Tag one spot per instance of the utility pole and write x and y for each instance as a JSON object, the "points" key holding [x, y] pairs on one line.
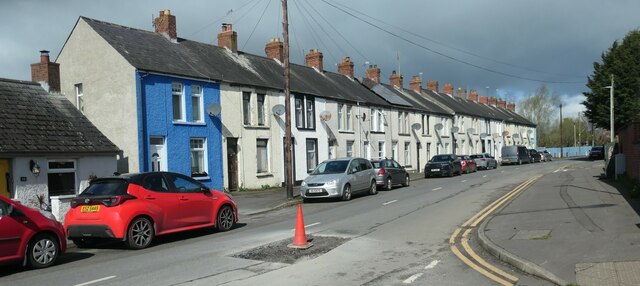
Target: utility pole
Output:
{"points": [[287, 103], [611, 107], [561, 154]]}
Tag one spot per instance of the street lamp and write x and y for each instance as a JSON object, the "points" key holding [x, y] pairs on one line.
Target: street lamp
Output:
{"points": [[560, 130], [611, 106]]}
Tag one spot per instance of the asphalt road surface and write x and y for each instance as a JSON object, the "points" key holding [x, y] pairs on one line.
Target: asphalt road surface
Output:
{"points": [[398, 237]]}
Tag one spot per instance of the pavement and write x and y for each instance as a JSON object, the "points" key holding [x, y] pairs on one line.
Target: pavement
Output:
{"points": [[569, 227]]}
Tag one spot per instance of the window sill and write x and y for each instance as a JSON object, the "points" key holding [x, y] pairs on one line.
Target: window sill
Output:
{"points": [[404, 134], [346, 131], [63, 197], [256, 127], [377, 132], [427, 135], [202, 178], [189, 123], [306, 129], [263, 175]]}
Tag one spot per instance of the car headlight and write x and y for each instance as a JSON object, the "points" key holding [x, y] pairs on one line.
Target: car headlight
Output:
{"points": [[331, 183], [304, 183]]}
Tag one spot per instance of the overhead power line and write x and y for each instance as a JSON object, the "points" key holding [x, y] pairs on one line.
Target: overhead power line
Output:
{"points": [[220, 19], [256, 26]]}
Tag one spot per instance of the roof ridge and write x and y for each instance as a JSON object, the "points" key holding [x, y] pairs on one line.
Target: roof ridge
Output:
{"points": [[19, 81]]}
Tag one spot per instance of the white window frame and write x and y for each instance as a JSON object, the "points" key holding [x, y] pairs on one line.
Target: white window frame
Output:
{"points": [[394, 151], [246, 108], [305, 112], [63, 170], [177, 89], [313, 153], [377, 120], [349, 118], [340, 118], [262, 120], [349, 148], [382, 153], [266, 146], [407, 154], [79, 97], [197, 95], [205, 167]]}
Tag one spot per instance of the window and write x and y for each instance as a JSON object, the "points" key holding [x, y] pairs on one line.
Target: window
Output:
{"points": [[198, 165], [185, 184], [349, 148], [305, 112], [332, 148], [394, 150], [407, 154], [366, 150], [261, 119], [381, 151], [196, 103], [348, 119], [425, 125], [312, 152], [377, 120], [262, 155], [79, 100], [428, 151], [177, 97], [340, 107], [61, 178], [155, 182], [246, 107], [403, 122]]}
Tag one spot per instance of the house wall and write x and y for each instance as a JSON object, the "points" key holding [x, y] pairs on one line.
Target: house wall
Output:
{"points": [[233, 127], [109, 89], [157, 121], [629, 137], [300, 137]]}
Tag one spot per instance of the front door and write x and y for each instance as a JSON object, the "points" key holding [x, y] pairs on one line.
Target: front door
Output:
{"points": [[4, 178], [232, 163], [158, 151]]}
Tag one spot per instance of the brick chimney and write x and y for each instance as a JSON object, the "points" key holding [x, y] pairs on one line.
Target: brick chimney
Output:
{"points": [[165, 25], [275, 49], [415, 83], [46, 73], [484, 99], [314, 59], [473, 95], [373, 73], [493, 101], [396, 80], [432, 85], [461, 92], [228, 38], [346, 67], [511, 106], [502, 104], [447, 89]]}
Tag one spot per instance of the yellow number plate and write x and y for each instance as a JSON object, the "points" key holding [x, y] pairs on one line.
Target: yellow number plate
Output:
{"points": [[90, 209]]}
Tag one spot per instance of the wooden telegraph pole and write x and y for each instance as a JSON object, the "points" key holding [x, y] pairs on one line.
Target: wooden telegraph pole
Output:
{"points": [[287, 103]]}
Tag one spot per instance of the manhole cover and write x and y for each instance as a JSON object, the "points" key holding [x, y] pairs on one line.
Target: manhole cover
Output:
{"points": [[539, 234]]}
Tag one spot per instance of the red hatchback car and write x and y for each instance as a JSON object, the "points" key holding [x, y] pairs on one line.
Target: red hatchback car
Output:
{"points": [[468, 164], [135, 208], [28, 236]]}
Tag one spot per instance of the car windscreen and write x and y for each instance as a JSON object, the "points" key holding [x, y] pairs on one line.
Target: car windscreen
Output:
{"points": [[106, 188], [376, 164], [440, 158], [331, 167], [600, 149], [476, 156]]}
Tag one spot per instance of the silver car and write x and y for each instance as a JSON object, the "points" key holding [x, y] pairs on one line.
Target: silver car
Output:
{"points": [[339, 178], [485, 161]]}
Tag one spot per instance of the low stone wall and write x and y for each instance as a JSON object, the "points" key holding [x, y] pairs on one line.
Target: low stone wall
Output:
{"points": [[60, 205]]}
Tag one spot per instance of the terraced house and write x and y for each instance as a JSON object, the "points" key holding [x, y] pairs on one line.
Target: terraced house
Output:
{"points": [[217, 113]]}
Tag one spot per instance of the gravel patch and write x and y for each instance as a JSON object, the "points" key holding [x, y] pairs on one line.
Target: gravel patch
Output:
{"points": [[279, 252]]}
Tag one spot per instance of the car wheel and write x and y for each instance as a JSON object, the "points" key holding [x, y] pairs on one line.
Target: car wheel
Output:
{"points": [[305, 200], [346, 192], [83, 242], [467, 171], [406, 181], [373, 190], [389, 184], [450, 172], [140, 233], [42, 251], [225, 218]]}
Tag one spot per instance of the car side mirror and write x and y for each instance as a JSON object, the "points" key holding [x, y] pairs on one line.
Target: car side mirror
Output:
{"points": [[13, 212], [205, 190]]}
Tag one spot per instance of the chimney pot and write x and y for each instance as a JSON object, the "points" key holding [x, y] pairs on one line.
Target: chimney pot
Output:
{"points": [[228, 38], [46, 73], [447, 89], [396, 80], [165, 24], [346, 67], [502, 104], [484, 99], [432, 85], [415, 83], [473, 95], [44, 56], [373, 73], [314, 59], [275, 49]]}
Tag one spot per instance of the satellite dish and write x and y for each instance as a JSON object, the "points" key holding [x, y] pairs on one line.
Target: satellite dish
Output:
{"points": [[325, 115], [495, 135], [505, 133], [439, 126], [529, 131], [214, 109], [516, 135], [416, 126], [484, 136], [278, 109], [455, 130], [471, 131]]}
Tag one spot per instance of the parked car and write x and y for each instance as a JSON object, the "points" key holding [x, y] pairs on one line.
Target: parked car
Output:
{"points": [[535, 156], [339, 178], [596, 153], [467, 165], [443, 165], [135, 208], [546, 156], [515, 154], [389, 173], [28, 235], [485, 161]]}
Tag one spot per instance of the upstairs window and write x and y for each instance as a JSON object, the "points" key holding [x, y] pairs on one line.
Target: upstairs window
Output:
{"points": [[79, 99], [246, 107], [177, 97], [305, 112], [196, 103], [377, 120], [348, 118], [340, 119], [261, 118]]}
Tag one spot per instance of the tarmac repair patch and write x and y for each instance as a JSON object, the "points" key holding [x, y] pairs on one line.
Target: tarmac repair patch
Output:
{"points": [[279, 252], [540, 234]]}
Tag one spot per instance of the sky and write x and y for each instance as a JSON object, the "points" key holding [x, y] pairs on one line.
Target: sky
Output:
{"points": [[497, 47]]}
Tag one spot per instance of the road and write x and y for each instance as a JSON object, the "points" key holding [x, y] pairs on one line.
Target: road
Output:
{"points": [[399, 237]]}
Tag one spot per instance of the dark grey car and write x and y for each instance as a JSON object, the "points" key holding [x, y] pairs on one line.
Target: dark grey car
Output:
{"points": [[389, 173], [443, 165]]}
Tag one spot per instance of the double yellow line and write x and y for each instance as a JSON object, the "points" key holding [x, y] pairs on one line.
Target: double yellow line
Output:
{"points": [[480, 265]]}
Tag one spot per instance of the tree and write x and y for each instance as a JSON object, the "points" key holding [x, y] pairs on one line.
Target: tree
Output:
{"points": [[622, 61], [539, 108]]}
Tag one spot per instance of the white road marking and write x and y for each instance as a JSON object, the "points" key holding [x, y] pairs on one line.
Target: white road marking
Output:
{"points": [[310, 225], [463, 181], [565, 170], [556, 171], [412, 278], [96, 281], [517, 168], [484, 176], [432, 264], [389, 202], [438, 188], [502, 172]]}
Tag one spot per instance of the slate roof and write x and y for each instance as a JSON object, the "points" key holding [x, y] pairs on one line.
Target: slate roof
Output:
{"points": [[405, 98], [152, 52], [33, 121]]}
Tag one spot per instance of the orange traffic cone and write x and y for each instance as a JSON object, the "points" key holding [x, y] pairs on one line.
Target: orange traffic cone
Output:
{"points": [[300, 237]]}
